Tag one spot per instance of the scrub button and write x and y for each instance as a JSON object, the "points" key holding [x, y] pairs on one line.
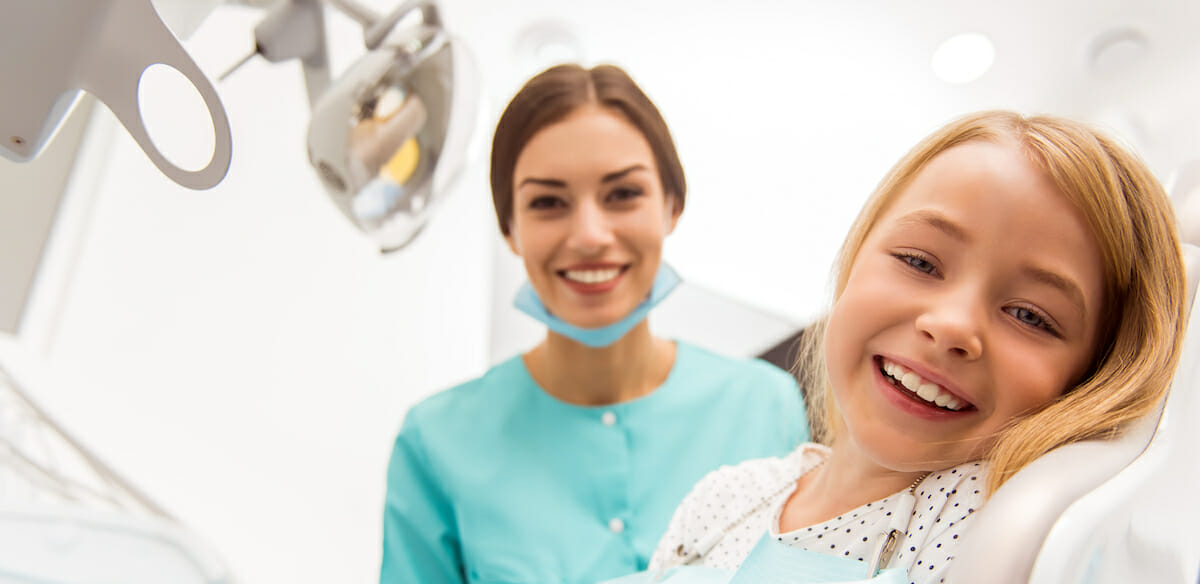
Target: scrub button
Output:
{"points": [[615, 525], [608, 418]]}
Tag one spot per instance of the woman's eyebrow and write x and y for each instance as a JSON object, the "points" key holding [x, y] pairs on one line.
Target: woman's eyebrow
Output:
{"points": [[620, 173], [553, 182], [547, 182]]}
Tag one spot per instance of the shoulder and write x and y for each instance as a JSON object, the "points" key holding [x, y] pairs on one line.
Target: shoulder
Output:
{"points": [[946, 502], [950, 496], [741, 372], [751, 480], [739, 495], [477, 396]]}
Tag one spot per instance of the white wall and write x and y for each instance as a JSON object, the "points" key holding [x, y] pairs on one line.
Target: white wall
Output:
{"points": [[246, 357]]}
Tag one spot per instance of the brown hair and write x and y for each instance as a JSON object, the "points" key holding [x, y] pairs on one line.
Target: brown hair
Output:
{"points": [[556, 92], [1142, 323]]}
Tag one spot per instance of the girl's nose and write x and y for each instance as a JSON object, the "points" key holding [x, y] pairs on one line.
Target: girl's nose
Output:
{"points": [[591, 230], [954, 323]]}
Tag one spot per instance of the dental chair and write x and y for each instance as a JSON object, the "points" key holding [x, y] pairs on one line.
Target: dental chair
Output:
{"points": [[66, 517], [1121, 511]]}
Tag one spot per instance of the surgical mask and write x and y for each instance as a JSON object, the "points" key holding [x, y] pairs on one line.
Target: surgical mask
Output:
{"points": [[527, 301]]}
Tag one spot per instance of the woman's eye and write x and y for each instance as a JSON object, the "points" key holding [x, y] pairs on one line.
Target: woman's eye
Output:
{"points": [[546, 202], [918, 263], [1031, 318], [624, 193]]}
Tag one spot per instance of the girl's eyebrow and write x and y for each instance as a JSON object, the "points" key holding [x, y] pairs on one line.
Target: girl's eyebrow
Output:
{"points": [[1060, 283], [938, 221]]}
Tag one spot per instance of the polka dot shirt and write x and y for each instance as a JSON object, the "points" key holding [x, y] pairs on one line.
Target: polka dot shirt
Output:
{"points": [[746, 500]]}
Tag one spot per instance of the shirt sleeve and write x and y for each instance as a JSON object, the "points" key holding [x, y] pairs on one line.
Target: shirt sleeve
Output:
{"points": [[420, 538]]}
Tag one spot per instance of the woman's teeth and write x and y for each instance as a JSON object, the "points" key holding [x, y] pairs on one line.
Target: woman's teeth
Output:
{"points": [[592, 276], [925, 390]]}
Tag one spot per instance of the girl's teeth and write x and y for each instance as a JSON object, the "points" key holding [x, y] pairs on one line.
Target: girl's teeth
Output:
{"points": [[925, 390], [929, 392]]}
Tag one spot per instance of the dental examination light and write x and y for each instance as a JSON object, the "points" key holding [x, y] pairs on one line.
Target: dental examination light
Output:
{"points": [[389, 137], [54, 49]]}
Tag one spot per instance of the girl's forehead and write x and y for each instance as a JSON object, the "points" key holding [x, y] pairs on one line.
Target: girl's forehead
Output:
{"points": [[977, 172]]}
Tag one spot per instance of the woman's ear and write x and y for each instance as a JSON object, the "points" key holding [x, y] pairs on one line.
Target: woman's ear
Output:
{"points": [[512, 242], [674, 210]]}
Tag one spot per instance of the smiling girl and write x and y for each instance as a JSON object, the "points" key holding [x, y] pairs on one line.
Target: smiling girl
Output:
{"points": [[564, 464], [1014, 284]]}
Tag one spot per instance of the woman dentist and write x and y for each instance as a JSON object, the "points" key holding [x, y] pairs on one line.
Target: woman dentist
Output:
{"points": [[564, 464]]}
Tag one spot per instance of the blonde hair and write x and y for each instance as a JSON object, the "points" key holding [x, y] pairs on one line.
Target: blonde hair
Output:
{"points": [[1143, 318]]}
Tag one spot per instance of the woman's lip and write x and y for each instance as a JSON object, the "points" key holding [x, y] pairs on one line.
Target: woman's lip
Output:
{"points": [[593, 266], [595, 287], [927, 375]]}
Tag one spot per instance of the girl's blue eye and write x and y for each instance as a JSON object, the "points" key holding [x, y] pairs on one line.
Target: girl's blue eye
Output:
{"points": [[1028, 316], [918, 263], [1031, 318]]}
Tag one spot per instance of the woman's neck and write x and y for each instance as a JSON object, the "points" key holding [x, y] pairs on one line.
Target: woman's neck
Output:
{"points": [[633, 366], [847, 480]]}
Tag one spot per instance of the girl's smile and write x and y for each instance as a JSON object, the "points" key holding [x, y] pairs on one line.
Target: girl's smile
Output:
{"points": [[975, 298], [930, 396]]}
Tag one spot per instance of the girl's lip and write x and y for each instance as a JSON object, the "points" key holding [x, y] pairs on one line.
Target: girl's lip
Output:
{"points": [[912, 404], [927, 375]]}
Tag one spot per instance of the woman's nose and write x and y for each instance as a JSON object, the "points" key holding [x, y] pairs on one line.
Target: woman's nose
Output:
{"points": [[954, 323], [591, 230]]}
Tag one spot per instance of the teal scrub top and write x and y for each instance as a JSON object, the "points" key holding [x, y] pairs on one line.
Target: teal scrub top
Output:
{"points": [[496, 482]]}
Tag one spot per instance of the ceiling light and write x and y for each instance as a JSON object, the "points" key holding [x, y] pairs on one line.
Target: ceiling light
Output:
{"points": [[963, 58]]}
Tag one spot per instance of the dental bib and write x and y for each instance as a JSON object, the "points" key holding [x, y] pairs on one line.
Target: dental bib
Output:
{"points": [[527, 301], [774, 562]]}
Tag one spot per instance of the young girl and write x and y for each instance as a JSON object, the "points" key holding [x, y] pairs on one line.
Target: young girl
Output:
{"points": [[564, 464], [1014, 284]]}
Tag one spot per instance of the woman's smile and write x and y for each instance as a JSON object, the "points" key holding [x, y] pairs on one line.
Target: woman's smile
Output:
{"points": [[590, 216], [593, 278]]}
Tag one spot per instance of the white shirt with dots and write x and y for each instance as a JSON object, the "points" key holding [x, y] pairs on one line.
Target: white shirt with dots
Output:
{"points": [[945, 501]]}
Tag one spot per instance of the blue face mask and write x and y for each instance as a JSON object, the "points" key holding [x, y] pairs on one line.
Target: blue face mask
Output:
{"points": [[528, 302]]}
